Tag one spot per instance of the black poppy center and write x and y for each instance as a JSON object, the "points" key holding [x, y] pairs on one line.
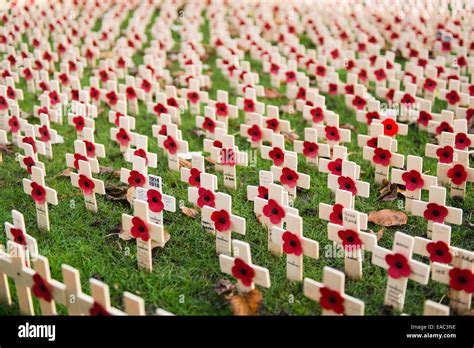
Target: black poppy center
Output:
{"points": [[383, 156], [347, 186], [332, 299], [86, 183], [389, 126], [435, 212], [198, 179], [207, 198], [43, 288], [462, 279], [19, 239], [141, 229], [338, 168], [154, 200], [293, 243], [265, 196], [39, 192], [274, 211], [278, 155], [439, 252], [290, 177], [445, 154], [413, 180], [399, 264], [350, 239], [332, 134], [124, 136], [137, 179], [243, 271], [222, 220], [89, 149]]}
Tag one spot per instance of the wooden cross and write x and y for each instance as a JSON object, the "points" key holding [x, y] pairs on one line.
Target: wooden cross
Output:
{"points": [[47, 135], [289, 177], [192, 176], [295, 246], [353, 240], [123, 134], [357, 100], [208, 123], [3, 141], [138, 176], [141, 149], [407, 100], [331, 131], [435, 210], [414, 180], [41, 194], [310, 148], [334, 213], [79, 120], [276, 152], [457, 174], [16, 232], [220, 221], [254, 130], [333, 164], [272, 120], [222, 108], [162, 107], [205, 193], [348, 181], [81, 153], [89, 186], [315, 110], [241, 267], [249, 104], [401, 267], [388, 93], [382, 158], [432, 308], [443, 123], [463, 140], [444, 151], [93, 149], [173, 144], [375, 130], [330, 294], [430, 84], [265, 178], [194, 95], [371, 113], [147, 233], [132, 94], [453, 95]]}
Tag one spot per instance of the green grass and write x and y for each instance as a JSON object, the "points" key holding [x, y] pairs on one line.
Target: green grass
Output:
{"points": [[186, 270]]}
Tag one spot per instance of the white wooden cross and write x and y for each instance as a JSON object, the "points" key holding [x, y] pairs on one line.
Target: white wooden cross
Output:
{"points": [[432, 308], [205, 194], [375, 130], [463, 139], [310, 148], [223, 109], [89, 186], [353, 240], [254, 130], [123, 134], [348, 181], [265, 178], [294, 245], [401, 267], [80, 120], [414, 180], [132, 94], [276, 152], [272, 120], [141, 150], [47, 135], [173, 144], [330, 294], [435, 210], [192, 176], [138, 176], [249, 104], [147, 233], [121, 111], [372, 112], [357, 100], [333, 213], [194, 95], [441, 124], [81, 154], [16, 232], [333, 165], [93, 149], [453, 95], [208, 123], [331, 131], [382, 158], [220, 221], [444, 151], [241, 267], [162, 107], [289, 177], [407, 100], [457, 174], [41, 194]]}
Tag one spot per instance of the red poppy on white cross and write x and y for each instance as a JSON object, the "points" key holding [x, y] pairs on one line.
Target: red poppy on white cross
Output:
{"points": [[223, 109], [383, 157], [375, 130], [370, 113], [315, 110], [330, 294], [388, 93], [148, 234], [30, 75], [407, 100], [12, 92], [219, 220], [146, 84], [172, 144], [205, 194], [299, 92], [289, 177], [331, 131], [379, 72], [453, 95], [443, 123], [3, 141], [391, 127], [161, 107], [81, 154], [332, 84], [273, 67], [41, 195], [140, 143], [333, 165], [194, 96], [272, 120], [90, 187], [241, 267], [208, 123], [16, 233], [435, 210], [132, 94], [347, 180], [46, 134], [96, 93], [310, 148], [430, 84], [457, 174], [359, 99], [459, 278], [138, 176], [353, 241], [123, 133], [294, 245], [462, 139], [412, 73], [444, 151], [334, 213], [414, 180], [30, 138], [250, 80], [249, 104], [79, 120], [466, 112], [93, 149], [401, 267], [173, 100], [46, 108], [276, 151], [265, 179], [12, 123], [192, 176]]}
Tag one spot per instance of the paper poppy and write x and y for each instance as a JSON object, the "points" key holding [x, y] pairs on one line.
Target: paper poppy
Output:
{"points": [[332, 133], [79, 123], [274, 69], [163, 130], [380, 74], [371, 115], [290, 76], [429, 85], [28, 162], [141, 153], [98, 310], [372, 142], [86, 184], [445, 154], [439, 252], [461, 280], [407, 99], [331, 300], [18, 236], [453, 97], [310, 149], [273, 211], [104, 76], [435, 212], [38, 193], [14, 124], [249, 105], [30, 141], [292, 244], [277, 156], [359, 103], [335, 167], [145, 85], [11, 93], [90, 148], [350, 239], [206, 197], [301, 93], [122, 137], [333, 90], [336, 214], [347, 184], [221, 220], [130, 93], [193, 97], [111, 98], [94, 93], [3, 103], [44, 133], [462, 141], [413, 180], [78, 157], [273, 124], [317, 115], [136, 179], [41, 289], [424, 117], [255, 133], [243, 272], [444, 127], [390, 127], [172, 102], [54, 97], [262, 192], [194, 177], [221, 109], [217, 143], [349, 89], [289, 177], [170, 145], [390, 94], [457, 174], [155, 200], [139, 229], [209, 124], [362, 75], [398, 266], [382, 157]]}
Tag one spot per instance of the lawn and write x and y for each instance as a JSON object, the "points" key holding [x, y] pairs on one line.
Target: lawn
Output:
{"points": [[187, 269]]}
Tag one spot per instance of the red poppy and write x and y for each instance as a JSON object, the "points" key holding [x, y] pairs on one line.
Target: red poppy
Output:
{"points": [[27, 74], [382, 157], [206, 197], [54, 97], [86, 184], [453, 97], [331, 300], [332, 89], [79, 123], [31, 141], [75, 94], [221, 220], [14, 124], [195, 177], [94, 93], [336, 215], [363, 75], [243, 272], [217, 143], [444, 127], [359, 103], [429, 85], [130, 93], [439, 252], [457, 174], [290, 76], [273, 211], [136, 179], [163, 130], [435, 212], [332, 133], [372, 142], [90, 148], [461, 280], [350, 239], [413, 180], [471, 90], [263, 192], [462, 141], [104, 76], [347, 184], [38, 193], [398, 266], [122, 137], [18, 236], [289, 177], [170, 145], [172, 102], [380, 74], [140, 229], [390, 94], [301, 93], [273, 124], [41, 289], [349, 89], [277, 156], [469, 115], [3, 103], [209, 124], [44, 133], [249, 105], [335, 167], [64, 79], [155, 200], [141, 153], [111, 98], [310, 149], [292, 244], [317, 114], [371, 115], [146, 86], [28, 162], [424, 117], [255, 133], [407, 99], [390, 127], [445, 154], [221, 109]]}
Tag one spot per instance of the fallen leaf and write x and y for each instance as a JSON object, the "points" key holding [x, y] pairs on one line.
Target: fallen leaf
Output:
{"points": [[388, 193], [349, 126], [109, 171], [66, 172], [248, 303], [116, 192], [192, 213], [378, 234], [387, 217], [291, 136], [185, 163], [272, 93], [225, 288]]}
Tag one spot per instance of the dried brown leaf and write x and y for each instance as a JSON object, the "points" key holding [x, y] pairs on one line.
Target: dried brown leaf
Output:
{"points": [[116, 192], [185, 163], [388, 193], [109, 171], [378, 234], [290, 136], [272, 93], [225, 288], [66, 172], [387, 217], [192, 213], [349, 126], [247, 303]]}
